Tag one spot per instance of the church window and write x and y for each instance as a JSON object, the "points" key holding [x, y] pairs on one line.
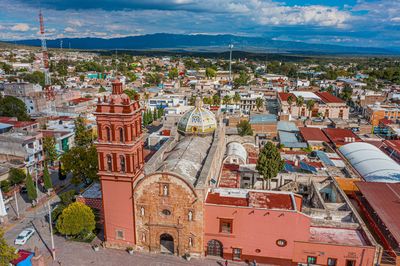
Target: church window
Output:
{"points": [[121, 135], [166, 212], [190, 242], [109, 163], [122, 163], [108, 133], [120, 234]]}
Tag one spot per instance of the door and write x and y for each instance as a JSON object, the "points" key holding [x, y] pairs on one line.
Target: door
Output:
{"points": [[166, 244], [214, 248]]}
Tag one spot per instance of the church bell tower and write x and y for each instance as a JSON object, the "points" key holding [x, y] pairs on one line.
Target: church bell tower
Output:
{"points": [[121, 161]]}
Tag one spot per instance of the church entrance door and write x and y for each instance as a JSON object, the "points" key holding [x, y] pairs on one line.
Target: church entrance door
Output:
{"points": [[166, 244]]}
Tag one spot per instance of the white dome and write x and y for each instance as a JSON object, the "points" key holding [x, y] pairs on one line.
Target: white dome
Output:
{"points": [[197, 121]]}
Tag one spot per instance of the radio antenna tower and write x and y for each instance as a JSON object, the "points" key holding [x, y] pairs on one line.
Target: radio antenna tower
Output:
{"points": [[47, 80]]}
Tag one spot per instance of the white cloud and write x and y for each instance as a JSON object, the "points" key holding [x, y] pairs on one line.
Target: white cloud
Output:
{"points": [[20, 27], [69, 29]]}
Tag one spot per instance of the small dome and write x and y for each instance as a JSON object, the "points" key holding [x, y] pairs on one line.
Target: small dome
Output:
{"points": [[199, 121]]}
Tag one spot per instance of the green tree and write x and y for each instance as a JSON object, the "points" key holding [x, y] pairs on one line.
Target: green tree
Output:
{"points": [[131, 93], [347, 92], [173, 73], [210, 72], [242, 80], [7, 252], [82, 162], [83, 136], [269, 162], [49, 147], [12, 106], [30, 187], [310, 105], [76, 219], [5, 186], [259, 103], [102, 89], [61, 173], [36, 77], [155, 114], [236, 97], [226, 100], [16, 176], [48, 184], [299, 103], [244, 128], [216, 99], [160, 112], [67, 197]]}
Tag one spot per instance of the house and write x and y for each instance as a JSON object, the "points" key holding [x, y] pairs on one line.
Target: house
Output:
{"points": [[339, 136], [314, 137]]}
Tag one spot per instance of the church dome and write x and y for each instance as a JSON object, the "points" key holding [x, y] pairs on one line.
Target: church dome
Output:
{"points": [[197, 121]]}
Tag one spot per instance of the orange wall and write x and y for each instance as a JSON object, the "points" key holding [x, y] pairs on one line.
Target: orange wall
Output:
{"points": [[256, 229], [364, 256], [118, 211]]}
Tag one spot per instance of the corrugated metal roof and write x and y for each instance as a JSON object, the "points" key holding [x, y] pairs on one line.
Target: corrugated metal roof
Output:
{"points": [[289, 140], [384, 198], [261, 119], [371, 163]]}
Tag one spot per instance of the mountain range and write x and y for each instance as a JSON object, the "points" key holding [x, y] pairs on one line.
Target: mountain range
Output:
{"points": [[207, 43]]}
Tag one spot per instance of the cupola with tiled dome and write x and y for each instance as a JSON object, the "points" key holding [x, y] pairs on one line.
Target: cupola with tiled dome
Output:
{"points": [[197, 121]]}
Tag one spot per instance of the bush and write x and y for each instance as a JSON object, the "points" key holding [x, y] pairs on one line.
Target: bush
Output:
{"points": [[16, 176], [5, 186], [67, 197], [76, 220]]}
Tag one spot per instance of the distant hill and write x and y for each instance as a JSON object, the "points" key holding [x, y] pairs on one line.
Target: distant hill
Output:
{"points": [[207, 43]]}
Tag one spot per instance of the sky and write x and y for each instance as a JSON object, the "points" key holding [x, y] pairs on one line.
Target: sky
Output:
{"points": [[371, 23]]}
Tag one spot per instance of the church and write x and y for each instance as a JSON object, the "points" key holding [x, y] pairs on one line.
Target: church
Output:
{"points": [[157, 207]]}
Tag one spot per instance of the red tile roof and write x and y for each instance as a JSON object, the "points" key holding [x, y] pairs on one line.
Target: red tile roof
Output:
{"points": [[22, 255], [284, 96], [313, 134], [384, 198], [215, 198], [80, 100], [15, 123], [338, 136], [230, 176], [326, 97]]}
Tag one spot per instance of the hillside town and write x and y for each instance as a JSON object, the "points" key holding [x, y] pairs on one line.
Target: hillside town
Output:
{"points": [[113, 157]]}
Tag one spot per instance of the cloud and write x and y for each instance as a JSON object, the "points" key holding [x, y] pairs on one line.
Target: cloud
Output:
{"points": [[69, 29], [20, 27]]}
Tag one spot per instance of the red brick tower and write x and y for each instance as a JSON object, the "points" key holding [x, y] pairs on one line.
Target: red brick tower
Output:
{"points": [[120, 154]]}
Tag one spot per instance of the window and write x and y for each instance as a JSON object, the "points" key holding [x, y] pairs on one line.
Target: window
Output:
{"points": [[281, 242], [311, 260], [190, 242], [108, 133], [237, 253], [350, 263], [225, 226], [332, 262], [142, 211], [121, 135], [109, 163], [120, 234], [122, 163], [166, 212]]}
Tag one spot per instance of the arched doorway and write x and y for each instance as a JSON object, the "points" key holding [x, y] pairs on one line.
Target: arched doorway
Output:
{"points": [[214, 248], [166, 244]]}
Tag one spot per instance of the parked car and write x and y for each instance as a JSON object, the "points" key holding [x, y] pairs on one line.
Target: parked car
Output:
{"points": [[24, 236]]}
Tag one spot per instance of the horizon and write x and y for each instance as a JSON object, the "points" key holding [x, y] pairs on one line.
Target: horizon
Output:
{"points": [[356, 23]]}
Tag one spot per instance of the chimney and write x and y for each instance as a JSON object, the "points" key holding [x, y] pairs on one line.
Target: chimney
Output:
{"points": [[116, 87]]}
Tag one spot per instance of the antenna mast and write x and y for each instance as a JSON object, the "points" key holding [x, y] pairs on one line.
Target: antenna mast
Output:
{"points": [[47, 81]]}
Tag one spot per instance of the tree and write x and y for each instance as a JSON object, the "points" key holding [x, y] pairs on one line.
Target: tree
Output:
{"points": [[299, 103], [347, 92], [269, 162], [259, 103], [83, 136], [49, 147], [7, 253], [226, 100], [160, 112], [16, 176], [102, 89], [236, 97], [36, 77], [67, 197], [61, 174], [155, 114], [244, 128], [30, 187], [290, 101], [242, 80], [82, 162], [310, 106], [210, 72], [173, 73], [47, 178], [216, 99], [76, 219], [12, 106], [131, 93]]}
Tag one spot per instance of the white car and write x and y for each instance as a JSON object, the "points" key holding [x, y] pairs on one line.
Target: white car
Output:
{"points": [[24, 236]]}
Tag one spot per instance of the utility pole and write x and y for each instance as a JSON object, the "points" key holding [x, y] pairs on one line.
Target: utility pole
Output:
{"points": [[53, 250], [230, 63], [16, 203]]}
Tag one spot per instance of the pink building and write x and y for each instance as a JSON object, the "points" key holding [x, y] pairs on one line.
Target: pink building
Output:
{"points": [[269, 227]]}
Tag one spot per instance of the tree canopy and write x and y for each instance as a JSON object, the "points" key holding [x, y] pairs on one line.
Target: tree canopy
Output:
{"points": [[244, 128], [49, 147], [269, 162], [83, 136], [30, 187], [48, 184], [7, 253], [16, 176], [13, 107], [76, 219]]}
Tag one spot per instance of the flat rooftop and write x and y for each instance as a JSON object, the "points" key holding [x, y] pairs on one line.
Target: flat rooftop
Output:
{"points": [[338, 236], [251, 198]]}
